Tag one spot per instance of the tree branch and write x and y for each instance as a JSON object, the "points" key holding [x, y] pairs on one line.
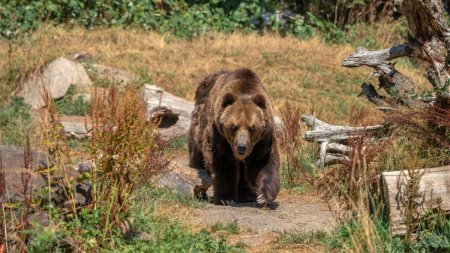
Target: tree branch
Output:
{"points": [[365, 57]]}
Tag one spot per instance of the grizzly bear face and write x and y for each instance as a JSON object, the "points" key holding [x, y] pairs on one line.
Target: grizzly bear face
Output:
{"points": [[242, 122]]}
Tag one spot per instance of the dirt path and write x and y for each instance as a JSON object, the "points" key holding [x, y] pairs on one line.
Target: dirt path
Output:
{"points": [[261, 226]]}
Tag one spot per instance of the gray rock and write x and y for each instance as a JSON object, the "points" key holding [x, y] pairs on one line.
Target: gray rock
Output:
{"points": [[85, 167], [185, 180], [56, 77], [114, 76]]}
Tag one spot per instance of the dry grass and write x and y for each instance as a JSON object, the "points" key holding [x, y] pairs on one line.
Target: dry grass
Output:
{"points": [[307, 73]]}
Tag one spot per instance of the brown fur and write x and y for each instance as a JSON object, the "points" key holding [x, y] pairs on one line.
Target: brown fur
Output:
{"points": [[232, 137]]}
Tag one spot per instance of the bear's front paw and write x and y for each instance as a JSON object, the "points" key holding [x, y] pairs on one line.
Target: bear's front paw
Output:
{"points": [[265, 198]]}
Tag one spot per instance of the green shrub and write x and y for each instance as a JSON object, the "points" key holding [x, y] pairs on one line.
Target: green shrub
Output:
{"points": [[15, 122], [180, 18]]}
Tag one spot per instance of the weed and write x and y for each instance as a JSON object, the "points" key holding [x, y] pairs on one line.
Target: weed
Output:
{"points": [[165, 233], [353, 181], [121, 161]]}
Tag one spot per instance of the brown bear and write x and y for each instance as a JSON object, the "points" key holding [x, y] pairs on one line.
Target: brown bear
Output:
{"points": [[232, 137]]}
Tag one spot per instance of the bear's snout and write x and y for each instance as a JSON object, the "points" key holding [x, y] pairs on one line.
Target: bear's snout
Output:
{"points": [[242, 144], [241, 148]]}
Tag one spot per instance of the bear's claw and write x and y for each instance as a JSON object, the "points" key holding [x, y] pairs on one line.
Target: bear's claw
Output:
{"points": [[261, 200], [228, 202]]}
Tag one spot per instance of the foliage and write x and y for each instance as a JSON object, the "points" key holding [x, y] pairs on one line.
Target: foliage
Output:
{"points": [[15, 122], [181, 18], [72, 106]]}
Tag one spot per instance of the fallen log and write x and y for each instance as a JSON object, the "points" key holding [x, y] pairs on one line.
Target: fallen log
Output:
{"points": [[433, 192], [334, 140], [156, 97]]}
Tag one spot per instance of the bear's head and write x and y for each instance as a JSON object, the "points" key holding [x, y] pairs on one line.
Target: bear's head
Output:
{"points": [[243, 122]]}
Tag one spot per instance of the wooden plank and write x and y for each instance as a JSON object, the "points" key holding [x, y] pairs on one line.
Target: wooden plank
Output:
{"points": [[434, 186]]}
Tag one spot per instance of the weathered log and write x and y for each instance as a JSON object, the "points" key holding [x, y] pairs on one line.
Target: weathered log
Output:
{"points": [[372, 95], [185, 180], [430, 41], [433, 191], [334, 140]]}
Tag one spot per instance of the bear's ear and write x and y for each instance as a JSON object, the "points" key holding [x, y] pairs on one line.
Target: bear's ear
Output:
{"points": [[260, 101], [228, 99]]}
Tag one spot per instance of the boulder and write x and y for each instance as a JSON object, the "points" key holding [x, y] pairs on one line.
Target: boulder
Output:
{"points": [[112, 75], [56, 77], [185, 180]]}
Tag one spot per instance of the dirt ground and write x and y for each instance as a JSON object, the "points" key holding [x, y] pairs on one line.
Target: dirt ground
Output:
{"points": [[260, 226]]}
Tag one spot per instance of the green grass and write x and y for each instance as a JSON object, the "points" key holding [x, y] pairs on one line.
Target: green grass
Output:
{"points": [[299, 237], [167, 235], [177, 144], [15, 122], [230, 228]]}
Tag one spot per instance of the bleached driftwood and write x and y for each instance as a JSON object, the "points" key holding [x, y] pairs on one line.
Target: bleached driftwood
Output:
{"points": [[433, 192], [334, 140]]}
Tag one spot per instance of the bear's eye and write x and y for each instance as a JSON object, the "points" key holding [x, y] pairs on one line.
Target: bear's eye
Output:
{"points": [[233, 128], [251, 129]]}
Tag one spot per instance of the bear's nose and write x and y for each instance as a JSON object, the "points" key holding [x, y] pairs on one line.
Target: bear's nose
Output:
{"points": [[241, 148]]}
